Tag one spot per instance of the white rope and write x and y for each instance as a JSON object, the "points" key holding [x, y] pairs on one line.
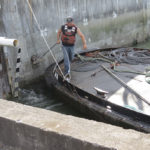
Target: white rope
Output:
{"points": [[44, 37]]}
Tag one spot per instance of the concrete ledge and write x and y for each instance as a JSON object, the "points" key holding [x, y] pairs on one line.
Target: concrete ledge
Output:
{"points": [[27, 128]]}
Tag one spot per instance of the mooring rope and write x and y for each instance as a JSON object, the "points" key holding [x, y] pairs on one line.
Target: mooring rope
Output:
{"points": [[84, 58], [44, 38]]}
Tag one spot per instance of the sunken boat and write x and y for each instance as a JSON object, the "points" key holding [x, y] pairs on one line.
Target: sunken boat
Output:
{"points": [[110, 85]]}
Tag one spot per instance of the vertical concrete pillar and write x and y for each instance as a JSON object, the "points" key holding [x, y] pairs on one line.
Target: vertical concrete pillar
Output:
{"points": [[5, 88]]}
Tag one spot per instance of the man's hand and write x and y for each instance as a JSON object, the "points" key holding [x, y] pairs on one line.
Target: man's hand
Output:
{"points": [[84, 46], [58, 42], [58, 36]]}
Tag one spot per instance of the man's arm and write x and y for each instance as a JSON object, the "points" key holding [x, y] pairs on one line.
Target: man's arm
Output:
{"points": [[58, 36], [82, 37]]}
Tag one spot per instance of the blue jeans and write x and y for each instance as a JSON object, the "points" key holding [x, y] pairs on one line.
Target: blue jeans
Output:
{"points": [[68, 52]]}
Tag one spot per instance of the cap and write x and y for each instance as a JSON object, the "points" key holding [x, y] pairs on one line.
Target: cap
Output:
{"points": [[69, 19]]}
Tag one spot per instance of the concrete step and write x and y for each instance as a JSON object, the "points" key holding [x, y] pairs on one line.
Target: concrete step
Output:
{"points": [[27, 128]]}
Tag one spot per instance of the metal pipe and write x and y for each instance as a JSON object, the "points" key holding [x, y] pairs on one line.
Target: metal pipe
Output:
{"points": [[125, 85], [8, 42]]}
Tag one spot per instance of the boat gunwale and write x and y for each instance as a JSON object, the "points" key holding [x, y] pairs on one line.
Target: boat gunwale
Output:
{"points": [[104, 102], [135, 116]]}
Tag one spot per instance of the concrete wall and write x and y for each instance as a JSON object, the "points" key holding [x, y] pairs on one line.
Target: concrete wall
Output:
{"points": [[28, 128], [10, 59], [105, 23], [5, 89]]}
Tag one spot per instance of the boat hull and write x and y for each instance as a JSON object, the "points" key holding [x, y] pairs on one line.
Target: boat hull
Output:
{"points": [[94, 107]]}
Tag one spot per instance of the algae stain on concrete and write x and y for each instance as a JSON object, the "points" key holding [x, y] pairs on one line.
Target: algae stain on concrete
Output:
{"points": [[145, 44], [132, 23]]}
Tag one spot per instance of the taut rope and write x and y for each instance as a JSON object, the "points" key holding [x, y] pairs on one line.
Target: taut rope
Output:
{"points": [[44, 37]]}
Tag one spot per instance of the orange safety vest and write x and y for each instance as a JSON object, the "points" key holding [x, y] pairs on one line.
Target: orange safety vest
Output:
{"points": [[68, 35]]}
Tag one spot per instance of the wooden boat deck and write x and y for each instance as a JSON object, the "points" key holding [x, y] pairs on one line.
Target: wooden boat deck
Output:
{"points": [[117, 93]]}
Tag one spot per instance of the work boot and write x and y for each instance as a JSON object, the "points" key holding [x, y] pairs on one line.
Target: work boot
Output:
{"points": [[67, 77]]}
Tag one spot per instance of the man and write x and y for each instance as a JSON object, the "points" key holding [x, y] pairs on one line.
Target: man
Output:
{"points": [[67, 33]]}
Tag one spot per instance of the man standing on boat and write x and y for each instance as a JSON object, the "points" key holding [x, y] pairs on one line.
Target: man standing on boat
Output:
{"points": [[67, 33]]}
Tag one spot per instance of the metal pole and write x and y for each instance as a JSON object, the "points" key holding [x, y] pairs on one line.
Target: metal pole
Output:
{"points": [[8, 42], [125, 85]]}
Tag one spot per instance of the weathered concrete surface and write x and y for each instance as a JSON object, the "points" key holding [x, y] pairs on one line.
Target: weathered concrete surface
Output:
{"points": [[4, 84], [1, 93], [27, 128], [105, 23]]}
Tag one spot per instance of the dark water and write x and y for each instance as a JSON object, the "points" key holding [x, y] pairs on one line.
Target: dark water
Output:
{"points": [[39, 95]]}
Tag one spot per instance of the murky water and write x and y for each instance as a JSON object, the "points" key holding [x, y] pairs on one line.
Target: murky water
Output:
{"points": [[39, 95]]}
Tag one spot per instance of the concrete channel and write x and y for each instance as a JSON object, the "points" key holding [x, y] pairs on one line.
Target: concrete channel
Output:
{"points": [[27, 128], [105, 24]]}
